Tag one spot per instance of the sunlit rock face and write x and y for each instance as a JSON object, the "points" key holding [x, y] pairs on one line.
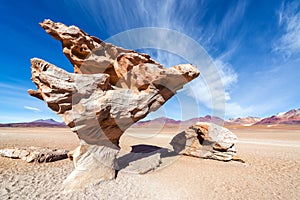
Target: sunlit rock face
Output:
{"points": [[206, 140], [111, 89]]}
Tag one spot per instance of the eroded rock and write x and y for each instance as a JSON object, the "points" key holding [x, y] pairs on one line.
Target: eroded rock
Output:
{"points": [[126, 68], [111, 89], [35, 154], [206, 140]]}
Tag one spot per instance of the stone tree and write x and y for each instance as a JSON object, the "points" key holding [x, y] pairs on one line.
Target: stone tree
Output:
{"points": [[111, 89]]}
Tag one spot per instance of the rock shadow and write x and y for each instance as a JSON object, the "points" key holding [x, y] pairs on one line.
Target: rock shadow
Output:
{"points": [[143, 158]]}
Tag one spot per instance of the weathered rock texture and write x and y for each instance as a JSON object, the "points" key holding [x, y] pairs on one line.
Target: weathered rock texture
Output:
{"points": [[112, 88], [206, 140], [93, 164], [118, 87], [92, 107], [35, 154]]}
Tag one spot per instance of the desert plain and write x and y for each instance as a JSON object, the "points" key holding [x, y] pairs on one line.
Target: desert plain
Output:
{"points": [[271, 169]]}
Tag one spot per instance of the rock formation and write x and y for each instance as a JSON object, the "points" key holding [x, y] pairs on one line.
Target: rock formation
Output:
{"points": [[111, 89], [206, 140], [35, 154]]}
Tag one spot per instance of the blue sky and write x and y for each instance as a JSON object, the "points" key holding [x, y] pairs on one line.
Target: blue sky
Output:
{"points": [[254, 44]]}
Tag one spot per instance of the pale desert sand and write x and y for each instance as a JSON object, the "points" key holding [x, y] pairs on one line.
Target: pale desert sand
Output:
{"points": [[271, 171]]}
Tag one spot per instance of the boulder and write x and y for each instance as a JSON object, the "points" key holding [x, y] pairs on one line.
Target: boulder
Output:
{"points": [[206, 140]]}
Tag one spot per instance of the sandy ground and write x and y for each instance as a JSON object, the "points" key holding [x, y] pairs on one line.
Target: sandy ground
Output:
{"points": [[271, 171]]}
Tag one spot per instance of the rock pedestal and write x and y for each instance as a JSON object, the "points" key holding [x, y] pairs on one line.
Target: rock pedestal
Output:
{"points": [[111, 89], [93, 163]]}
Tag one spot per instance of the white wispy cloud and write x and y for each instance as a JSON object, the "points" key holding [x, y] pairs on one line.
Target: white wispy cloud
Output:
{"points": [[32, 108], [202, 88], [231, 19], [289, 20], [205, 92], [11, 87], [233, 109], [228, 76]]}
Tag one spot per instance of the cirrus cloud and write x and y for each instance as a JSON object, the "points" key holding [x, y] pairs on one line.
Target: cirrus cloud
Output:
{"points": [[32, 108], [289, 20]]}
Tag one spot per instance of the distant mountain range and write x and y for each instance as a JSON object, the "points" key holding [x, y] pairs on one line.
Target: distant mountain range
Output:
{"points": [[167, 122], [291, 117], [36, 123], [246, 121]]}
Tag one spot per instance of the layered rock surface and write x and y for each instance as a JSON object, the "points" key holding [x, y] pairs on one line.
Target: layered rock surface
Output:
{"points": [[206, 140], [112, 96], [111, 89], [35, 154], [126, 68]]}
